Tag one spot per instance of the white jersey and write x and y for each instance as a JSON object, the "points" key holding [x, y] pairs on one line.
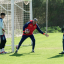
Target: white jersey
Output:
{"points": [[1, 26]]}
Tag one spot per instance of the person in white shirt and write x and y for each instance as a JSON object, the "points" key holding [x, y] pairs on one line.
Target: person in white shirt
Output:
{"points": [[2, 34]]}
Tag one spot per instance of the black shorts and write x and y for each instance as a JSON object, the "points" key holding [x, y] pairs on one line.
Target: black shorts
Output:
{"points": [[2, 41]]}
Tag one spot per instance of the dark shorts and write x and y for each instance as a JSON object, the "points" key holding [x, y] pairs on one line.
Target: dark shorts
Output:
{"points": [[2, 41]]}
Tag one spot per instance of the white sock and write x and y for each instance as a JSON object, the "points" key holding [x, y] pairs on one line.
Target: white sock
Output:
{"points": [[17, 49], [63, 50], [32, 49], [2, 49]]}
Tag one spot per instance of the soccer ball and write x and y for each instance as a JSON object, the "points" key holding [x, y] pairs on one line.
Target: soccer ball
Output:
{"points": [[27, 31]]}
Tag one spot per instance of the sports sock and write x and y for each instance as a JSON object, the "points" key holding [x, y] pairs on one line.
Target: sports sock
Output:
{"points": [[2, 49], [63, 50], [32, 49], [17, 49]]}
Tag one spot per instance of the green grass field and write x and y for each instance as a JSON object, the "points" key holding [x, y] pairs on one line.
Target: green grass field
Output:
{"points": [[47, 51]]}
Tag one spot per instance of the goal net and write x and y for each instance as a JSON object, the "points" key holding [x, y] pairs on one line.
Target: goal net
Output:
{"points": [[22, 14]]}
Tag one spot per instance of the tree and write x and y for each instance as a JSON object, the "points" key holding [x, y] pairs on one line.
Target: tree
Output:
{"points": [[55, 12]]}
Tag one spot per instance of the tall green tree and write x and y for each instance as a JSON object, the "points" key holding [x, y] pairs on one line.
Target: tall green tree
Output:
{"points": [[55, 12]]}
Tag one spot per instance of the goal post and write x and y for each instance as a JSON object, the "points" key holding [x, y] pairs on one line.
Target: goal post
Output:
{"points": [[17, 12], [31, 13], [12, 16], [12, 24]]}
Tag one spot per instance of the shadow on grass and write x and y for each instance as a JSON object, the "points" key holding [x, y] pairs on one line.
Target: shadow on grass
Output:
{"points": [[57, 56], [17, 55]]}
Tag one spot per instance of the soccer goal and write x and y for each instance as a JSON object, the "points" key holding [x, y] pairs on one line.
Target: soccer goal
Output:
{"points": [[17, 13]]}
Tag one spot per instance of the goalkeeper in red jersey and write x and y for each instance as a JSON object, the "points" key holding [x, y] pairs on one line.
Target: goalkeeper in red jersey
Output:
{"points": [[28, 29]]}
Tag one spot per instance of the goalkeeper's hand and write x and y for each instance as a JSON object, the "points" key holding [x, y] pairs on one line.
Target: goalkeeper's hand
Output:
{"points": [[46, 35]]}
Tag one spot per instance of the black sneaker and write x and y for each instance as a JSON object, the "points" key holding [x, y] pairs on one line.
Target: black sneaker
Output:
{"points": [[33, 51], [16, 51], [61, 53]]}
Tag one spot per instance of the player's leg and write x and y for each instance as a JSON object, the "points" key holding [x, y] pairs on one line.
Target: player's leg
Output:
{"points": [[21, 41], [0, 46], [63, 46], [33, 44], [3, 41], [3, 46]]}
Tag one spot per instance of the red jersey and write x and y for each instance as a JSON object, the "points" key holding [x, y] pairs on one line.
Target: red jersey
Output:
{"points": [[31, 27]]}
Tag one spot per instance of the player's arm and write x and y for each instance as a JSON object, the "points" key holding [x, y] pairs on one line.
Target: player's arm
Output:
{"points": [[25, 26], [41, 31], [1, 25]]}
